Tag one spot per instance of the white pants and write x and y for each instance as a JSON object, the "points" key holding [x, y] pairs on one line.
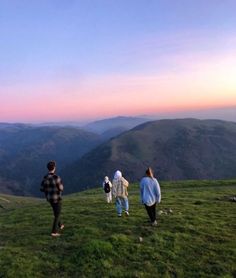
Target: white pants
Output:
{"points": [[108, 197]]}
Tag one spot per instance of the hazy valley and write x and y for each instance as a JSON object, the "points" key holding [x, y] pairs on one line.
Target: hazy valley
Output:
{"points": [[176, 149]]}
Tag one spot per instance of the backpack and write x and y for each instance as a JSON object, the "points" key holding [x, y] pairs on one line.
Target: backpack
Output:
{"points": [[107, 188]]}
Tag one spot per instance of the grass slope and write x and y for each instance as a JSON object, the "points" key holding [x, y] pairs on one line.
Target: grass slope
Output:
{"points": [[178, 149], [197, 240]]}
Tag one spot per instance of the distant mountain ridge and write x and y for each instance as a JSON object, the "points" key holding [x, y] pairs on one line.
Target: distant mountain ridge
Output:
{"points": [[25, 150], [13, 126], [119, 123], [176, 149]]}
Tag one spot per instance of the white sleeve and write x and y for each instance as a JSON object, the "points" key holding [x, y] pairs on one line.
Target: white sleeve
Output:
{"points": [[158, 192]]}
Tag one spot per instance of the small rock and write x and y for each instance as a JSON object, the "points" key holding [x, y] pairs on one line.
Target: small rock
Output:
{"points": [[233, 199], [160, 212], [140, 239], [170, 210]]}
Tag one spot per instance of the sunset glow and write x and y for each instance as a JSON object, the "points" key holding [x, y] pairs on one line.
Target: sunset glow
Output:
{"points": [[174, 65]]}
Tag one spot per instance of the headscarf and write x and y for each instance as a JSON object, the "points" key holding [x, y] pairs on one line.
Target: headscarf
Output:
{"points": [[106, 179], [117, 175]]}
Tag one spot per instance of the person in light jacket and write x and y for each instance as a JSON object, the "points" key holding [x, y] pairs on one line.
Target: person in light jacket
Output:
{"points": [[107, 186], [150, 194], [120, 192]]}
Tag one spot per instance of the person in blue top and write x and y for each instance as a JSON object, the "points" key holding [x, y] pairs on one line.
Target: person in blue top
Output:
{"points": [[150, 194]]}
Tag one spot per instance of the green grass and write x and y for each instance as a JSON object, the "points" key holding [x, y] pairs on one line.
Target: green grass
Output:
{"points": [[197, 240]]}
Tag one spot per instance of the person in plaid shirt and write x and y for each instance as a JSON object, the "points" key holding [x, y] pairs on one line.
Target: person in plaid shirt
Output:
{"points": [[52, 187], [120, 192]]}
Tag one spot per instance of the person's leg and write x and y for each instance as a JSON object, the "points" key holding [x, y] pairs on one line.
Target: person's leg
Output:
{"points": [[110, 197], [54, 228], [59, 214], [125, 204], [151, 212], [107, 197], [118, 205], [148, 211], [56, 211], [154, 212]]}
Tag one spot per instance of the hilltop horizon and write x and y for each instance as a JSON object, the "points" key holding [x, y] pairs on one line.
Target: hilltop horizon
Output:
{"points": [[177, 149], [219, 113]]}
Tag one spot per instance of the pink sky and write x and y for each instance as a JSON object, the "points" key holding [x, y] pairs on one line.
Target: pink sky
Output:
{"points": [[201, 81], [83, 60]]}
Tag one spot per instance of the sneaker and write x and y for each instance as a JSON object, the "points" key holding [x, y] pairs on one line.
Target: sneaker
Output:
{"points": [[126, 213], [154, 223], [119, 214], [55, 234], [62, 226]]}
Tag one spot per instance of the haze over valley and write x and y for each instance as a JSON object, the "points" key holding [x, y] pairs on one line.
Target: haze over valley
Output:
{"points": [[177, 149]]}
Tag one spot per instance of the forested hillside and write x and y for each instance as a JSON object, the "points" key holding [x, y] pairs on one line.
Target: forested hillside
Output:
{"points": [[176, 149]]}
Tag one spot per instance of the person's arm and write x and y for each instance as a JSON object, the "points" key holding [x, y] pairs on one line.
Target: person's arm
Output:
{"points": [[42, 187], [158, 191], [114, 189], [141, 191], [110, 184], [125, 182], [59, 184]]}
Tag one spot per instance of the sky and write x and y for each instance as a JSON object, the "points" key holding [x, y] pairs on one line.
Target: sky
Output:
{"points": [[77, 60]]}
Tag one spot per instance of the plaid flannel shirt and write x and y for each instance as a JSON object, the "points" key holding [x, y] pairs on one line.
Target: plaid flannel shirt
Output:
{"points": [[119, 187], [52, 187]]}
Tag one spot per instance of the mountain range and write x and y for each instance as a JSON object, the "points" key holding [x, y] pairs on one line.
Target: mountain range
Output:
{"points": [[25, 150], [176, 150], [112, 127]]}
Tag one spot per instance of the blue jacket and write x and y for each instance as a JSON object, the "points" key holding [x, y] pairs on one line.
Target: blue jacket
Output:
{"points": [[150, 191]]}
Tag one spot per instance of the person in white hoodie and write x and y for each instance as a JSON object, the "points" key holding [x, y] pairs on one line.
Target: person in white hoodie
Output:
{"points": [[150, 194], [107, 186], [120, 192]]}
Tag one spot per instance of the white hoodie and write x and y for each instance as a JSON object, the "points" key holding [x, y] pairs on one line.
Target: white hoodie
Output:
{"points": [[120, 185]]}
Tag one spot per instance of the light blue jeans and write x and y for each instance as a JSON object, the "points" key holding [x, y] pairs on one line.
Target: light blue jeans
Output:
{"points": [[122, 202]]}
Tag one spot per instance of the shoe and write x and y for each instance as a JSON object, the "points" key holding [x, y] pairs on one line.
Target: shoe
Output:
{"points": [[62, 226], [119, 214], [55, 234], [154, 223], [126, 213]]}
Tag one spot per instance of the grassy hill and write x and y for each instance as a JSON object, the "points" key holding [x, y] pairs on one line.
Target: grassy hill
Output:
{"points": [[177, 149], [198, 239]]}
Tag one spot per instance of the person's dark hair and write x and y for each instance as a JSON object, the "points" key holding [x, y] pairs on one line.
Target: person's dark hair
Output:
{"points": [[149, 172], [51, 165]]}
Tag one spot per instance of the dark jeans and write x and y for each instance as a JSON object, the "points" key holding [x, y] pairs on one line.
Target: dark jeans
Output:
{"points": [[151, 210], [56, 207]]}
